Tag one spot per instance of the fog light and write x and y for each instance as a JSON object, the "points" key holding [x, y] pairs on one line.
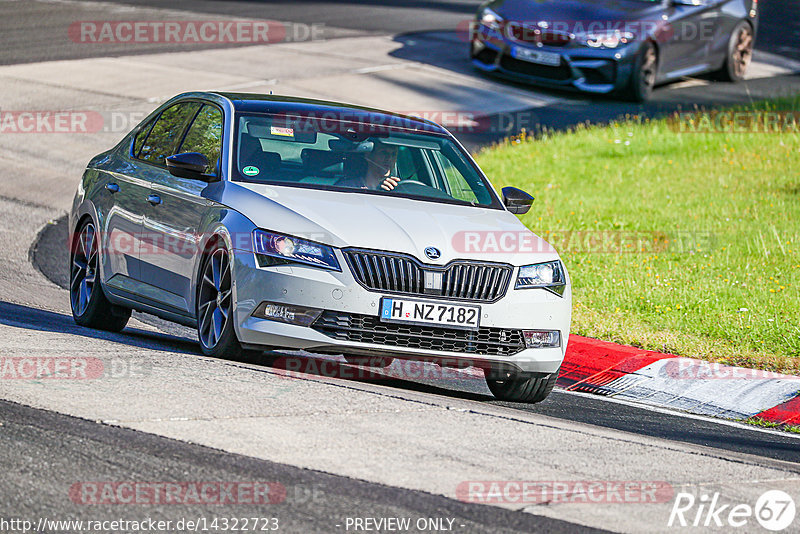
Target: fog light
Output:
{"points": [[286, 313], [539, 339]]}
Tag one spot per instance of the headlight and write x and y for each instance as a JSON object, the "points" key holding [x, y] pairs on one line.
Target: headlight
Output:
{"points": [[548, 275], [293, 249], [490, 19], [607, 39]]}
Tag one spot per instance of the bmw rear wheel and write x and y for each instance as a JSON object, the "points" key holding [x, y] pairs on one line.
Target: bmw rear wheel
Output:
{"points": [[90, 307], [740, 54]]}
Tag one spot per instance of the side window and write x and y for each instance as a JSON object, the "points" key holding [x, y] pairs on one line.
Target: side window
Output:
{"points": [[411, 165], [167, 132], [141, 136], [456, 183], [205, 136]]}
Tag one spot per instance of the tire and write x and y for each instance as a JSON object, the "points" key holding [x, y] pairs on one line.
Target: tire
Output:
{"points": [[521, 387], [89, 304], [740, 54], [368, 361], [643, 77], [214, 306]]}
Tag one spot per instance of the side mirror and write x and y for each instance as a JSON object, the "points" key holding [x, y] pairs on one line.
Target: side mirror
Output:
{"points": [[516, 200], [190, 165]]}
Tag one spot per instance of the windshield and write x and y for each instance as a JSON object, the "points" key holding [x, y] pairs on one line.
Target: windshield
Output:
{"points": [[356, 157]]}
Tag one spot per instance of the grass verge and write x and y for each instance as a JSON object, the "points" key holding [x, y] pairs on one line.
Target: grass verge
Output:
{"points": [[763, 423], [687, 243]]}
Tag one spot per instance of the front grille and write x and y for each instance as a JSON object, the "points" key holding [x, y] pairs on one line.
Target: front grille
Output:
{"points": [[555, 38], [562, 72], [461, 280], [529, 34], [369, 329]]}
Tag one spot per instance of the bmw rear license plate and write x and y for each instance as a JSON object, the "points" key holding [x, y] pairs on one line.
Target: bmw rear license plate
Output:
{"points": [[536, 56], [421, 312]]}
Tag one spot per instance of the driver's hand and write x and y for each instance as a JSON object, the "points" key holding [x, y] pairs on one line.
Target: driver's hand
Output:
{"points": [[390, 183]]}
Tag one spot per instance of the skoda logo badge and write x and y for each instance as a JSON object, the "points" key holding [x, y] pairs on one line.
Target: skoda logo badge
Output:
{"points": [[433, 253]]}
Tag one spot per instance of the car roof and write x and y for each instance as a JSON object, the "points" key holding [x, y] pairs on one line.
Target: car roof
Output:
{"points": [[278, 104]]}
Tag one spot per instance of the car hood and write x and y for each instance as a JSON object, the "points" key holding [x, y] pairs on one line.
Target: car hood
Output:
{"points": [[572, 12], [396, 224]]}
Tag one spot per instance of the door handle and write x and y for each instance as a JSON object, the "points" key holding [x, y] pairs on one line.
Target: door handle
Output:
{"points": [[155, 200], [112, 188]]}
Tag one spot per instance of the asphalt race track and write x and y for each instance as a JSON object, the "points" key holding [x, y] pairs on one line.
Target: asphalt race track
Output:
{"points": [[342, 448], [562, 405], [57, 444], [33, 27], [420, 26]]}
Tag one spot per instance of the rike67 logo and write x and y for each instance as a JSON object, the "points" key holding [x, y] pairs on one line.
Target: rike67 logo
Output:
{"points": [[774, 511]]}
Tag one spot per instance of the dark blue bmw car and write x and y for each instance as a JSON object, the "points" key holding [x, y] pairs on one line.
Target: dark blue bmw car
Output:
{"points": [[624, 47]]}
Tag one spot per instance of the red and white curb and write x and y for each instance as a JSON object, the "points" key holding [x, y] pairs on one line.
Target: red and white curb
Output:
{"points": [[685, 384]]}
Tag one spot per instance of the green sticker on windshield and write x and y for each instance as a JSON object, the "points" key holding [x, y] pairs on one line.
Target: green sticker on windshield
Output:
{"points": [[250, 171]]}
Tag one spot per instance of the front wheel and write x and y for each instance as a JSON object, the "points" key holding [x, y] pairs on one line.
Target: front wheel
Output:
{"points": [[740, 54], [89, 304], [215, 306], [520, 387], [643, 78]]}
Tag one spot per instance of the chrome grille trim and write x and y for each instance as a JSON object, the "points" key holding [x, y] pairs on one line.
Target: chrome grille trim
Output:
{"points": [[403, 274]]}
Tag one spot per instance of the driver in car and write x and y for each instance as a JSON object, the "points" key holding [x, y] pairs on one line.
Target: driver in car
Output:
{"points": [[380, 163]]}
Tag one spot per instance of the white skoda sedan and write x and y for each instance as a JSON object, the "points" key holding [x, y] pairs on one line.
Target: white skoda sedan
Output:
{"points": [[270, 222]]}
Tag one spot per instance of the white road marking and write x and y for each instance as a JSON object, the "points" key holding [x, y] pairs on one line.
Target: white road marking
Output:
{"points": [[678, 413]]}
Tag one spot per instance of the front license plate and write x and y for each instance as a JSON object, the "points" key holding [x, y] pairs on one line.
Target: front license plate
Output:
{"points": [[536, 56], [422, 312]]}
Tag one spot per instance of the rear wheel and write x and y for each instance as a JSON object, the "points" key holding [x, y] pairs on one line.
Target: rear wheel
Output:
{"points": [[520, 387], [90, 307], [215, 306], [740, 54], [368, 361], [643, 78]]}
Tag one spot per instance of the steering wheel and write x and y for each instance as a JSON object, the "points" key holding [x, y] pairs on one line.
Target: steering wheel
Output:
{"points": [[415, 187], [411, 183]]}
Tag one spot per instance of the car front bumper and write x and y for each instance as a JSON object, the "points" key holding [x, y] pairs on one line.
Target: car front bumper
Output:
{"points": [[599, 71], [340, 295]]}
